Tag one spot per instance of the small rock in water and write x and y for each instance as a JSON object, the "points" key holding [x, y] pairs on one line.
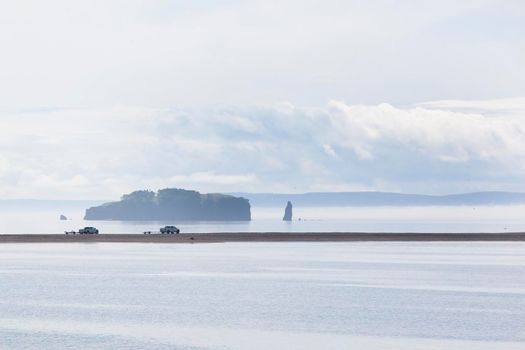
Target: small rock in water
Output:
{"points": [[63, 217]]}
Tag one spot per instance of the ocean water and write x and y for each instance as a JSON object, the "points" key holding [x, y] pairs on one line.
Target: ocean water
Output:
{"points": [[263, 296], [334, 219]]}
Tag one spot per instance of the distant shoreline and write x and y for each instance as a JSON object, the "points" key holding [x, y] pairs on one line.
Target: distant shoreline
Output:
{"points": [[265, 237]]}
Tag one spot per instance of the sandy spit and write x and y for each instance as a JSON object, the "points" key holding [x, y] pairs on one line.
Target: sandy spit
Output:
{"points": [[262, 237]]}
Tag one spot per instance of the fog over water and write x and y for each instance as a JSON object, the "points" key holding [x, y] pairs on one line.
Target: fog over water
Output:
{"points": [[263, 295], [333, 219]]}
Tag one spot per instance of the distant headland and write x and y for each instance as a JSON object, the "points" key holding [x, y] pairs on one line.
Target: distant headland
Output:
{"points": [[173, 204], [374, 199]]}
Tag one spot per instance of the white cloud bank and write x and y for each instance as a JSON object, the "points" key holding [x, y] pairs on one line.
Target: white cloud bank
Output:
{"points": [[437, 147]]}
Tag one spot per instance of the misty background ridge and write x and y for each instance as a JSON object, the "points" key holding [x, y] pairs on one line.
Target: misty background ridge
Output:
{"points": [[312, 199]]}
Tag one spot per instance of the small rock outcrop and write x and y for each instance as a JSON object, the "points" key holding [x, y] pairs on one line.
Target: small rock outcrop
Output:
{"points": [[288, 212], [63, 217]]}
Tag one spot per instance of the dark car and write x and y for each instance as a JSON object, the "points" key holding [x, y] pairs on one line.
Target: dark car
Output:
{"points": [[169, 230], [88, 231]]}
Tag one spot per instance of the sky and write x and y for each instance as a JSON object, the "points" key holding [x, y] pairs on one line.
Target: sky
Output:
{"points": [[99, 98]]}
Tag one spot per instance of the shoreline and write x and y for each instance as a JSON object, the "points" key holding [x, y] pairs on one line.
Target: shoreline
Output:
{"points": [[265, 237]]}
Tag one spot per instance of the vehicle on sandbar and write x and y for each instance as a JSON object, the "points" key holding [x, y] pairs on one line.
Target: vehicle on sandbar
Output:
{"points": [[88, 230], [169, 230]]}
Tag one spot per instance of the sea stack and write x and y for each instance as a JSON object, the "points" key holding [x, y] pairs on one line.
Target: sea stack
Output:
{"points": [[288, 212], [63, 217]]}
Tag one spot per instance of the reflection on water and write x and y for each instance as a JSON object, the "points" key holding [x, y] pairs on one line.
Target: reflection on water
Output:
{"points": [[263, 296], [372, 219]]}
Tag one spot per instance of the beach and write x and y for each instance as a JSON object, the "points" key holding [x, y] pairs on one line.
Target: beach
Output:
{"points": [[263, 237]]}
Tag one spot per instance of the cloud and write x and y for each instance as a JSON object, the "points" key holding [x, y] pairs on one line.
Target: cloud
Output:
{"points": [[494, 107], [164, 53], [213, 179], [436, 134], [330, 151], [435, 147]]}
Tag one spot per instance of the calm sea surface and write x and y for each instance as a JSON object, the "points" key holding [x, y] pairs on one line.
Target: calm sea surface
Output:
{"points": [[263, 296], [375, 219]]}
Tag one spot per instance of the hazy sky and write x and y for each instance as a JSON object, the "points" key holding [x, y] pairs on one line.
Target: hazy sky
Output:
{"points": [[103, 97]]}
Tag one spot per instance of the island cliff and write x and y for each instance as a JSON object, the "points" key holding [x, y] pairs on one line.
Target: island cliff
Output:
{"points": [[173, 204]]}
